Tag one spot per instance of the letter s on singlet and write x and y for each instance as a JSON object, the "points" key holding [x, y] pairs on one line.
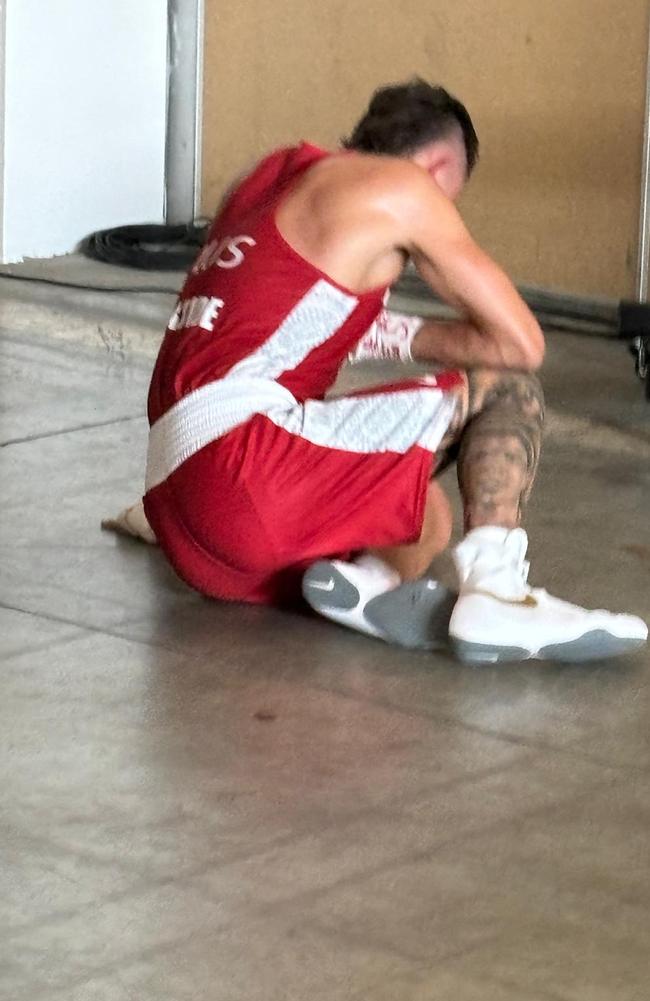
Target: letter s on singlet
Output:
{"points": [[233, 248]]}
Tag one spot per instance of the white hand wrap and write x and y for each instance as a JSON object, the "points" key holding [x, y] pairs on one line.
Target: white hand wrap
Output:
{"points": [[389, 338]]}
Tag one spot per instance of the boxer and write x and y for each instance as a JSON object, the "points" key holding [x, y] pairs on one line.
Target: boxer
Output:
{"points": [[260, 486]]}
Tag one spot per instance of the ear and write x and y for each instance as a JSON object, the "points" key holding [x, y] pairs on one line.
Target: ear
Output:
{"points": [[446, 173], [441, 169]]}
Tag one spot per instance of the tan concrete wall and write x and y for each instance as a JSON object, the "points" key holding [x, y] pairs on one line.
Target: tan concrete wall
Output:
{"points": [[556, 90]]}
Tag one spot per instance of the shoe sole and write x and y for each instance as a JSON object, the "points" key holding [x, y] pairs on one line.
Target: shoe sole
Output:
{"points": [[595, 645], [414, 615]]}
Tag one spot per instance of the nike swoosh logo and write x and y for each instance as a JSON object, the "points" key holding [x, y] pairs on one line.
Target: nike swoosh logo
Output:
{"points": [[322, 587], [528, 602]]}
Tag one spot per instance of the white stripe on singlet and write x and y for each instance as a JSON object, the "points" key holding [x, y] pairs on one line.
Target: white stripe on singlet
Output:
{"points": [[392, 420], [318, 316], [249, 387]]}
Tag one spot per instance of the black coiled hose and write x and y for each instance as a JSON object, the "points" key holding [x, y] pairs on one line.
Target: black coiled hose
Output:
{"points": [[149, 247]]}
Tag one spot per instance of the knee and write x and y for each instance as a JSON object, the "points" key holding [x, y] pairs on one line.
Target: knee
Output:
{"points": [[521, 391]]}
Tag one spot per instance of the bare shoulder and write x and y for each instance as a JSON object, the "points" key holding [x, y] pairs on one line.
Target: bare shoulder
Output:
{"points": [[370, 176], [399, 189]]}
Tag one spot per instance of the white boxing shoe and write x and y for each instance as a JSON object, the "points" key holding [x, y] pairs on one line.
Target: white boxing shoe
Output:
{"points": [[414, 615], [498, 617]]}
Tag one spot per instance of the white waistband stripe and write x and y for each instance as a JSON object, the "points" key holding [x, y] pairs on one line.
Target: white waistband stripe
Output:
{"points": [[394, 421], [205, 415]]}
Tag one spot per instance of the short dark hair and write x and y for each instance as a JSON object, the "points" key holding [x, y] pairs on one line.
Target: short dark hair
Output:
{"points": [[403, 117]]}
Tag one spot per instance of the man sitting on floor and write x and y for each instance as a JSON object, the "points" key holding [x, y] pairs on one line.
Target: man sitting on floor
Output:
{"points": [[258, 486]]}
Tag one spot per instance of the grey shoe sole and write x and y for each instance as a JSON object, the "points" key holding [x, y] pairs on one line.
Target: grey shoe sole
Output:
{"points": [[414, 615], [595, 645]]}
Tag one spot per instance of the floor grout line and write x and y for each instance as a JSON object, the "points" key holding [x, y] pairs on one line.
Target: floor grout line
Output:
{"points": [[88, 628], [423, 854], [72, 430], [568, 749], [113, 967]]}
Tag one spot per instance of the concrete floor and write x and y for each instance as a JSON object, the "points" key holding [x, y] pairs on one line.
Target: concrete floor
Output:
{"points": [[204, 802]]}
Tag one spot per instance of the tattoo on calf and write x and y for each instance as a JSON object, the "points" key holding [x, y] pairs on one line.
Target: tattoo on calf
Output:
{"points": [[499, 446]]}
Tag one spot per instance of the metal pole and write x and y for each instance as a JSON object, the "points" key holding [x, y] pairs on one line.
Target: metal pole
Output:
{"points": [[644, 220], [184, 100]]}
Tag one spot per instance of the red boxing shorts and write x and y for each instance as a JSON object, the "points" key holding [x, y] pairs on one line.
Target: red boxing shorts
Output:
{"points": [[244, 515]]}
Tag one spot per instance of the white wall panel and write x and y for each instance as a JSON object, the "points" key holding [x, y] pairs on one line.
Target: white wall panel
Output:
{"points": [[85, 113]]}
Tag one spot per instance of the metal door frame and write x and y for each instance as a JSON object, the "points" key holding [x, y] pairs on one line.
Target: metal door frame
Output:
{"points": [[184, 110]]}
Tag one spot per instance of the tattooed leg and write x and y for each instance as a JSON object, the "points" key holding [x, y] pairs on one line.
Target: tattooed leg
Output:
{"points": [[498, 616], [496, 440]]}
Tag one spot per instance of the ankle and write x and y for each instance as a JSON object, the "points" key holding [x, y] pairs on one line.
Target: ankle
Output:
{"points": [[501, 516], [492, 558]]}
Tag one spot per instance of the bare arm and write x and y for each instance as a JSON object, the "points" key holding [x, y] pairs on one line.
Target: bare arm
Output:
{"points": [[500, 331], [460, 344]]}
